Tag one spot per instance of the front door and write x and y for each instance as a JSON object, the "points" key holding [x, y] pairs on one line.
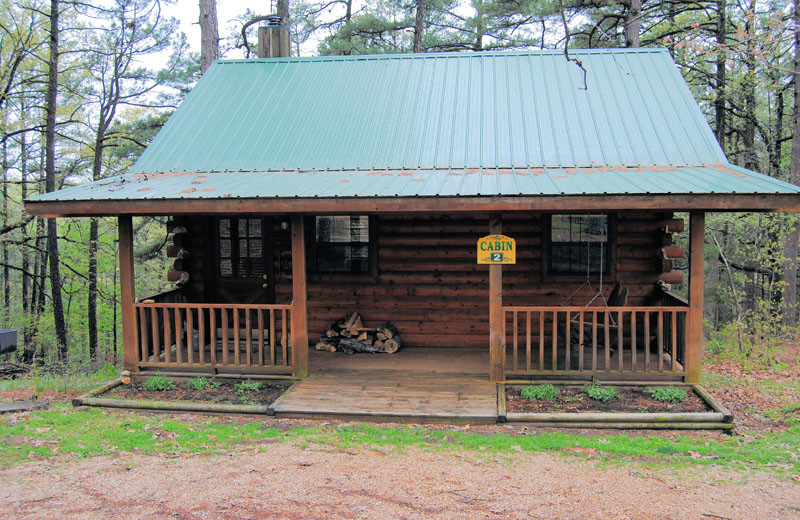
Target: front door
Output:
{"points": [[245, 262]]}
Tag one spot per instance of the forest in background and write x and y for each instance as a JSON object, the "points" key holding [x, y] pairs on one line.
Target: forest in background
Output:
{"points": [[84, 86]]}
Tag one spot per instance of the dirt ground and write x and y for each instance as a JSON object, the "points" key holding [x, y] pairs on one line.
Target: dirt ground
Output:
{"points": [[287, 481], [224, 393]]}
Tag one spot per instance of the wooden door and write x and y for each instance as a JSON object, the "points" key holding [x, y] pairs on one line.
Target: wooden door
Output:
{"points": [[244, 260]]}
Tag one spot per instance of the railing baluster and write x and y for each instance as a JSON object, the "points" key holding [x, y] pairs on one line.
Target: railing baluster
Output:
{"points": [[567, 343], [541, 340], [272, 336], [284, 336], [594, 341], [660, 341], [607, 364], [178, 335], [167, 335], [580, 341], [156, 335], [516, 337], [223, 319], [236, 345], [647, 341], [620, 341], [261, 337], [674, 348], [189, 335], [633, 341], [555, 340], [248, 335], [528, 340], [145, 349], [212, 315], [201, 325]]}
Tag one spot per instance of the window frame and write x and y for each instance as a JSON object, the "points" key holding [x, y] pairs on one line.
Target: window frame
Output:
{"points": [[372, 253], [235, 247], [610, 273]]}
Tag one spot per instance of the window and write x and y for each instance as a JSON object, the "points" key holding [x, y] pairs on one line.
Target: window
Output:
{"points": [[342, 244], [241, 248], [579, 244]]}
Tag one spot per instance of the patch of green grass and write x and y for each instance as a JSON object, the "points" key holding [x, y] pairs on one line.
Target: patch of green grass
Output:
{"points": [[88, 432], [546, 392], [200, 384], [247, 386], [668, 394], [40, 381], [158, 383], [600, 393]]}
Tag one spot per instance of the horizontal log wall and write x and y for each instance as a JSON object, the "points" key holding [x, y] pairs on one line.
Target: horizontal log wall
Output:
{"points": [[429, 285]]}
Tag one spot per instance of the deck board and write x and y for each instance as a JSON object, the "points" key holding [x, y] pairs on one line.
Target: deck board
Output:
{"points": [[418, 385]]}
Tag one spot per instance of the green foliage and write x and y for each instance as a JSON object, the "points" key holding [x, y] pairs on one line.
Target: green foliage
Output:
{"points": [[158, 383], [668, 394], [600, 393], [546, 392], [200, 384], [247, 386]]}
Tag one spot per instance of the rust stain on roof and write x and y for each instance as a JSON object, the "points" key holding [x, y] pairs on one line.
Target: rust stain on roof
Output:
{"points": [[208, 190], [505, 172], [472, 170], [344, 181], [571, 171], [405, 174], [418, 180], [198, 182], [537, 171], [144, 189], [722, 168], [189, 190], [604, 169]]}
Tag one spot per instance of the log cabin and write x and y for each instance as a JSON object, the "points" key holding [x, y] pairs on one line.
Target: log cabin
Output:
{"points": [[300, 190]]}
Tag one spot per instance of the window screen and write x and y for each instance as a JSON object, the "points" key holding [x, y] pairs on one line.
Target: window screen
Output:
{"points": [[241, 252], [342, 244], [579, 244]]}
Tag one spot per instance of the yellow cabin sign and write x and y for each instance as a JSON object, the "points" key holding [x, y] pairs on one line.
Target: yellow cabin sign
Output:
{"points": [[497, 249]]}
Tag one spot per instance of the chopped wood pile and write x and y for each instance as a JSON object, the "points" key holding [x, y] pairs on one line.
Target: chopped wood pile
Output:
{"points": [[349, 335]]}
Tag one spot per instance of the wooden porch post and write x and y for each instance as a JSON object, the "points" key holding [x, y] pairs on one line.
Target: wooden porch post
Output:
{"points": [[694, 325], [299, 307], [496, 337], [128, 293]]}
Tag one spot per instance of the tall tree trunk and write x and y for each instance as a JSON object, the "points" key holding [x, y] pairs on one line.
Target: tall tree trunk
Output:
{"points": [[6, 268], [749, 88], [721, 77], [790, 250], [419, 25], [50, 184], [27, 348], [633, 22], [97, 166], [209, 34]]}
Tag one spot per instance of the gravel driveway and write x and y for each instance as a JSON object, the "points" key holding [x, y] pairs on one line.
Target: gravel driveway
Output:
{"points": [[283, 480]]}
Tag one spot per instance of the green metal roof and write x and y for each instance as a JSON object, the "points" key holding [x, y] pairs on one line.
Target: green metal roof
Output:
{"points": [[450, 124], [452, 110]]}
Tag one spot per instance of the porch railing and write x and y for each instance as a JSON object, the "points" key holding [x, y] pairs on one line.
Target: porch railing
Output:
{"points": [[595, 340], [206, 335]]}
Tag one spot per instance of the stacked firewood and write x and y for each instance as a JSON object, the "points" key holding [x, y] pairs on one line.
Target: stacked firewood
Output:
{"points": [[349, 335]]}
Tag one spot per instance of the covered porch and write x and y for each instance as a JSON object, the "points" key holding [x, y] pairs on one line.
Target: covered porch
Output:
{"points": [[524, 339]]}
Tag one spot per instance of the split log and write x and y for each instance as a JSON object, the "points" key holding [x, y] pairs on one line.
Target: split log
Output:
{"points": [[390, 346], [351, 346], [325, 346]]}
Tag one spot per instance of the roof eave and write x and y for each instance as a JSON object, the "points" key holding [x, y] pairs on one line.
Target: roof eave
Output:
{"points": [[715, 202]]}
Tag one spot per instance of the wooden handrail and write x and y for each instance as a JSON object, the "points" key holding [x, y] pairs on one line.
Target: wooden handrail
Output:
{"points": [[214, 335], [554, 340]]}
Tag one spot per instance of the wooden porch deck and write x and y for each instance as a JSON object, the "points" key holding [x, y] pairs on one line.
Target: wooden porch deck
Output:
{"points": [[414, 385]]}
